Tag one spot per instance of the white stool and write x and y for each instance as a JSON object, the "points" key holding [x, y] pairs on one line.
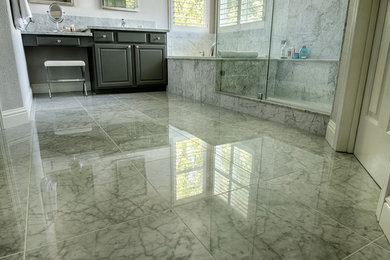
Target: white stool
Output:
{"points": [[65, 63]]}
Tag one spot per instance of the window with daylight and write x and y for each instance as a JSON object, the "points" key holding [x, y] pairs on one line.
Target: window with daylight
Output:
{"points": [[191, 13], [233, 174], [234, 12], [189, 168]]}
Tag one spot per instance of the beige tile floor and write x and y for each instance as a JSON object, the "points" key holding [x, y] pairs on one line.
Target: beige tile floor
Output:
{"points": [[158, 176]]}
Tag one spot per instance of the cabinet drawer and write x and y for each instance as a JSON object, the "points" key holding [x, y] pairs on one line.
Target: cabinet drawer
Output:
{"points": [[132, 37], [157, 38], [58, 41], [103, 36]]}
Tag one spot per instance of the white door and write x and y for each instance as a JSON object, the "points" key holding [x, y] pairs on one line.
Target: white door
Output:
{"points": [[372, 146], [1, 119]]}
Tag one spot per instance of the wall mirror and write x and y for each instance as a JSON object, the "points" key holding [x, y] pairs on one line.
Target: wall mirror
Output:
{"points": [[122, 5], [61, 2]]}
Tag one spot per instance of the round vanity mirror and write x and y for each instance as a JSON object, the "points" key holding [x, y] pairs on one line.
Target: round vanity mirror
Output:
{"points": [[56, 14]]}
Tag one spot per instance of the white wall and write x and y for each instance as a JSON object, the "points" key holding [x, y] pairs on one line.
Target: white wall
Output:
{"points": [[15, 93], [152, 10]]}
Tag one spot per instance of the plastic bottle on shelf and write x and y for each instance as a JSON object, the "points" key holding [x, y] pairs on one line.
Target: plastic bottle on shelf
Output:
{"points": [[290, 52], [283, 50], [303, 52]]}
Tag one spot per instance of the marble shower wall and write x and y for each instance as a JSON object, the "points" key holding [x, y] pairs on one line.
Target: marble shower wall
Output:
{"points": [[292, 80], [315, 23], [179, 43], [246, 77], [197, 79], [303, 80]]}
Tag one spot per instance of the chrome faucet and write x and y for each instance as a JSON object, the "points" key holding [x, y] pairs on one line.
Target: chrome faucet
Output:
{"points": [[212, 50], [123, 23]]}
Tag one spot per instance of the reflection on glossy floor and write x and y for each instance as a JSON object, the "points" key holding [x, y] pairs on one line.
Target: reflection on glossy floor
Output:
{"points": [[155, 176]]}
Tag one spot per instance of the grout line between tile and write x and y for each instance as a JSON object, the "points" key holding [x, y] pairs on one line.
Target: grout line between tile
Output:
{"points": [[101, 128], [172, 208], [186, 203], [14, 254], [341, 224], [124, 103], [97, 230], [178, 216], [370, 243]]}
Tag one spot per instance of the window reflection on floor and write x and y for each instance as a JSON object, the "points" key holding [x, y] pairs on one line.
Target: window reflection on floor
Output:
{"points": [[189, 168], [233, 174]]}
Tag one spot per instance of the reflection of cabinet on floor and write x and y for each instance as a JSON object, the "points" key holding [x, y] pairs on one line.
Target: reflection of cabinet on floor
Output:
{"points": [[129, 60]]}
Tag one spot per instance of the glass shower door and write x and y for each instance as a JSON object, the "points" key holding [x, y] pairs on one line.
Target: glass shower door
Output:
{"points": [[299, 80], [243, 45]]}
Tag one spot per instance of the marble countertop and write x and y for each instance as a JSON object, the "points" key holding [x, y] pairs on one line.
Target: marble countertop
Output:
{"points": [[249, 59], [64, 33], [126, 29], [192, 58], [87, 32]]}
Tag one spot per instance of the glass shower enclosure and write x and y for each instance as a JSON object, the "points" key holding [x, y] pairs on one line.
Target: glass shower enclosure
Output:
{"points": [[260, 45]]}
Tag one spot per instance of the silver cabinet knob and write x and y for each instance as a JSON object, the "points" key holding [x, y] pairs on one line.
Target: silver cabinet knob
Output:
{"points": [[158, 38], [129, 46], [104, 36], [59, 41], [137, 46]]}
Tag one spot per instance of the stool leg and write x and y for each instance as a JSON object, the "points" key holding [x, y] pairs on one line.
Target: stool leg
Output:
{"points": [[48, 81], [85, 89], [85, 92], [49, 90]]}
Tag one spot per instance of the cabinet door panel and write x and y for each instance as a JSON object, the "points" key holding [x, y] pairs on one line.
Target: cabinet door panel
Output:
{"points": [[150, 64], [114, 65]]}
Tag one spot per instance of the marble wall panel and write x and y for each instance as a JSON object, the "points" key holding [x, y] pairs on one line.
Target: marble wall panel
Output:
{"points": [[244, 77], [190, 43], [297, 80], [317, 24], [197, 79]]}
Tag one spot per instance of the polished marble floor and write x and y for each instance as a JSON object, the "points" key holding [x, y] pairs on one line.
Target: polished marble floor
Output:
{"points": [[158, 176]]}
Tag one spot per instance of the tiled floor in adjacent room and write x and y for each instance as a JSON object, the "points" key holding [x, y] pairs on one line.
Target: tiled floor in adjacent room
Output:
{"points": [[157, 176]]}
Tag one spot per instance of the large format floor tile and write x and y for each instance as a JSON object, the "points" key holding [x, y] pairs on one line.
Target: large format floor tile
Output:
{"points": [[384, 243], [159, 176], [371, 252], [161, 236], [86, 195], [236, 225], [15, 154], [190, 176]]}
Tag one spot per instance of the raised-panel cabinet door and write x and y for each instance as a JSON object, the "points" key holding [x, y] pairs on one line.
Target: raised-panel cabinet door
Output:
{"points": [[150, 62], [114, 65]]}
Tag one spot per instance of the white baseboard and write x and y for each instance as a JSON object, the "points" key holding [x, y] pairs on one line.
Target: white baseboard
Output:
{"points": [[384, 221], [15, 117], [331, 133], [59, 87], [28, 101]]}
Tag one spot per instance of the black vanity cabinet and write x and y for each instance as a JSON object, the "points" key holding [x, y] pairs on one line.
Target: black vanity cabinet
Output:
{"points": [[129, 61], [114, 65], [150, 64]]}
